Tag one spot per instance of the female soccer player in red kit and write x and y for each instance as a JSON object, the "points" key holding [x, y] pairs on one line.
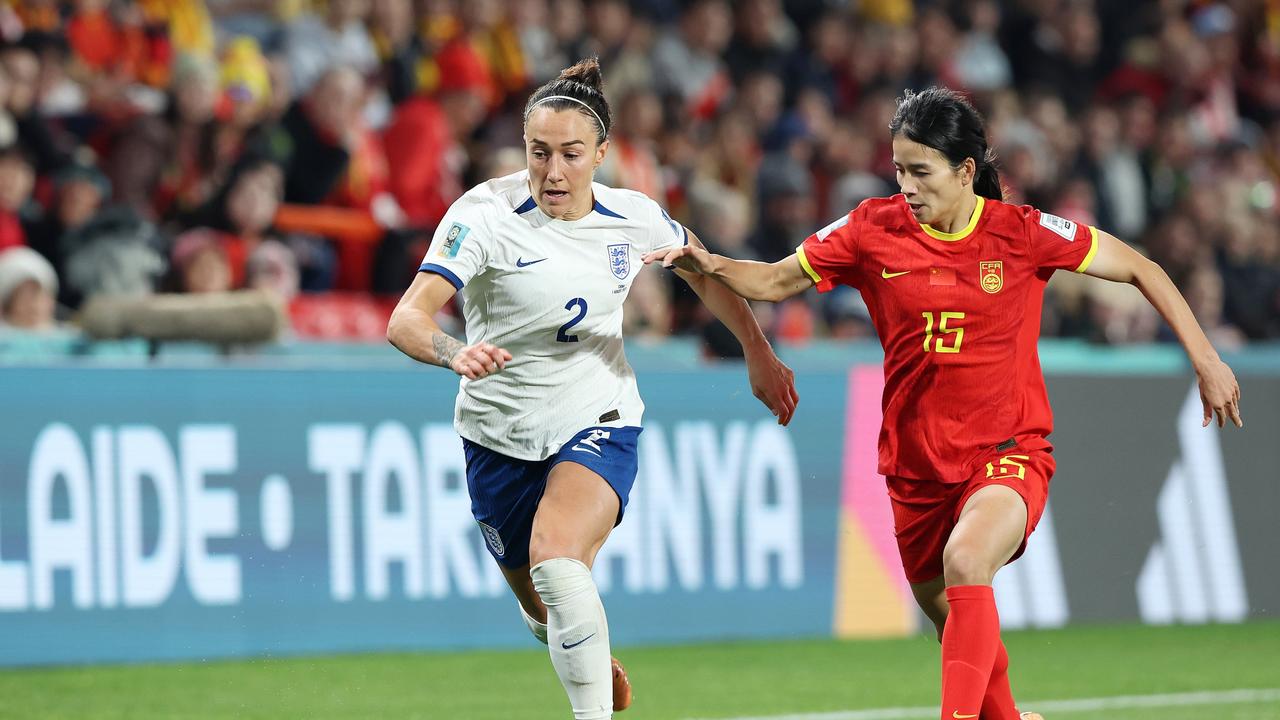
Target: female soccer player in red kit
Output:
{"points": [[954, 279]]}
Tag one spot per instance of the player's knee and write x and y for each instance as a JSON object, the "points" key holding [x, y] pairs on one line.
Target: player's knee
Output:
{"points": [[540, 552], [558, 580], [545, 546], [962, 566]]}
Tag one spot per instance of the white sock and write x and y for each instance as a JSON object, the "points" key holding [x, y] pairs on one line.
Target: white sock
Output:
{"points": [[578, 635], [538, 629]]}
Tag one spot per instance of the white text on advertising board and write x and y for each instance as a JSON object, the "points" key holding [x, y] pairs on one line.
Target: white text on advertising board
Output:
{"points": [[127, 515]]}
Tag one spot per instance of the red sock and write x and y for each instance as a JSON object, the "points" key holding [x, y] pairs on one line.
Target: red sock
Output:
{"points": [[970, 641], [998, 704]]}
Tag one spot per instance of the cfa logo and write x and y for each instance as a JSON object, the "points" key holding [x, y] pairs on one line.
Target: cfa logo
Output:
{"points": [[992, 274], [1192, 573]]}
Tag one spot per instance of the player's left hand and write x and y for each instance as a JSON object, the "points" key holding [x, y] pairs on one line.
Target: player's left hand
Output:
{"points": [[1219, 393], [773, 383], [691, 258]]}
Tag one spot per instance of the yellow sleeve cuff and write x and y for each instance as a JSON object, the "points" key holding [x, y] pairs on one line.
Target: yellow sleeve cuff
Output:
{"points": [[808, 269], [1093, 250]]}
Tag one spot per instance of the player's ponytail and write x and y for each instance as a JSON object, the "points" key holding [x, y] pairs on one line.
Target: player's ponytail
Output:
{"points": [[986, 180], [943, 120], [580, 87]]}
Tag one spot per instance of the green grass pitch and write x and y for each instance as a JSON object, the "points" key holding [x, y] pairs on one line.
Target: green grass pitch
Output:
{"points": [[732, 680]]}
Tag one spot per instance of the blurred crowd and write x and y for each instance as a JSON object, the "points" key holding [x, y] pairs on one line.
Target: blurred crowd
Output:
{"points": [[310, 148]]}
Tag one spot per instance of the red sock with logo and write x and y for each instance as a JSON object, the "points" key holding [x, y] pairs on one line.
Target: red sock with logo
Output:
{"points": [[970, 641], [998, 703]]}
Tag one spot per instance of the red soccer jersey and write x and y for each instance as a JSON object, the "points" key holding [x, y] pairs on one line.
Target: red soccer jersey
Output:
{"points": [[958, 315]]}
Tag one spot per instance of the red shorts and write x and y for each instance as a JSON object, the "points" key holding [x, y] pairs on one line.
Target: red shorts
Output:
{"points": [[925, 511]]}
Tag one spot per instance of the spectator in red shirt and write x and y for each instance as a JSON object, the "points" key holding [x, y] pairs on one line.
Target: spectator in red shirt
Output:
{"points": [[17, 178], [425, 142]]}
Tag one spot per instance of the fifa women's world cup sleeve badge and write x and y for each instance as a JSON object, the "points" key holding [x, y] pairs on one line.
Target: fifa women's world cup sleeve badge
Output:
{"points": [[453, 240], [991, 273]]}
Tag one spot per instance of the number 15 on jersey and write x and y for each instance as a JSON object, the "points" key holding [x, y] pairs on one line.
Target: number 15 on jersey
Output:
{"points": [[940, 343]]}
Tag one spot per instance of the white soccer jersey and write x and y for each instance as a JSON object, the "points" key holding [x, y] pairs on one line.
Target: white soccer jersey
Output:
{"points": [[550, 292]]}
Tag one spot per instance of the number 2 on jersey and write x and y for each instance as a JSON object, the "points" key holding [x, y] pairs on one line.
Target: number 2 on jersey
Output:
{"points": [[940, 345], [581, 304]]}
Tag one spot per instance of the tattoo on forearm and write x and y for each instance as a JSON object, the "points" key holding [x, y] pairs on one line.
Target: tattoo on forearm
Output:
{"points": [[446, 347]]}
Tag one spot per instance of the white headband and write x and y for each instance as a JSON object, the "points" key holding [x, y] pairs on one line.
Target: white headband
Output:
{"points": [[603, 129]]}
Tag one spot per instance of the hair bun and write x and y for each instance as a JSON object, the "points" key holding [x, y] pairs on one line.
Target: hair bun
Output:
{"points": [[579, 88], [586, 72]]}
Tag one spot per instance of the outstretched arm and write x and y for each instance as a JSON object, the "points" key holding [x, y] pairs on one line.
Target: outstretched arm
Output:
{"points": [[414, 331], [752, 280], [1219, 391], [771, 381]]}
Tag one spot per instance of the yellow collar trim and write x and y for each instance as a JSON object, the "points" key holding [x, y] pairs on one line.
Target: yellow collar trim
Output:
{"points": [[964, 232]]}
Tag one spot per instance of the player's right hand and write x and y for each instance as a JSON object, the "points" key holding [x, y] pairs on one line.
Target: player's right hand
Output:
{"points": [[1219, 393], [773, 383], [480, 360], [689, 257]]}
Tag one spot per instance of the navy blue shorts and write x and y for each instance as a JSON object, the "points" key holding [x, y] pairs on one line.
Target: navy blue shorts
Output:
{"points": [[505, 491]]}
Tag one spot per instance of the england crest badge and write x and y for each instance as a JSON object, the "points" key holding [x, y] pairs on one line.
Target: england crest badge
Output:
{"points": [[620, 260], [492, 537]]}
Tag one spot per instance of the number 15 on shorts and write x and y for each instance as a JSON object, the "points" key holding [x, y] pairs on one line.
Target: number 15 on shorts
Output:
{"points": [[1008, 467]]}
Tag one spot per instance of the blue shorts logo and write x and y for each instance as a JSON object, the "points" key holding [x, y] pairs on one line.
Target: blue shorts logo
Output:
{"points": [[620, 260], [591, 443], [492, 537]]}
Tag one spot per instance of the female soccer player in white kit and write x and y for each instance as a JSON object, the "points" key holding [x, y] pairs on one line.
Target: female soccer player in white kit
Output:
{"points": [[548, 408]]}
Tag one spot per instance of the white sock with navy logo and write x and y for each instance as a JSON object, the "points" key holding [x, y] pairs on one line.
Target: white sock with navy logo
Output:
{"points": [[538, 629], [578, 635]]}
